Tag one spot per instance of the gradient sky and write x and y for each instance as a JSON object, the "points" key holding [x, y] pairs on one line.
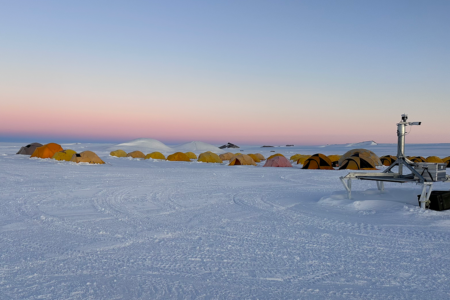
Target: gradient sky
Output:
{"points": [[251, 72]]}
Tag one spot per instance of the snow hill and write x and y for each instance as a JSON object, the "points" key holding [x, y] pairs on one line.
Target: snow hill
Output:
{"points": [[198, 147], [144, 145], [354, 145]]}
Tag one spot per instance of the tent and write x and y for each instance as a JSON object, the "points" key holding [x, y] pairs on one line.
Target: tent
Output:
{"points": [[47, 151], [318, 161], [433, 159], [295, 157], [178, 156], [65, 155], [191, 155], [260, 156], [447, 161], [278, 161], [118, 153], [136, 154], [388, 160], [361, 162], [242, 159], [255, 158], [209, 157], [155, 155], [226, 156], [417, 159], [334, 159], [87, 157], [29, 149], [273, 155], [302, 159], [365, 152]]}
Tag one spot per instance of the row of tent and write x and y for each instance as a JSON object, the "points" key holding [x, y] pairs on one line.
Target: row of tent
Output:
{"points": [[55, 151], [388, 160]]}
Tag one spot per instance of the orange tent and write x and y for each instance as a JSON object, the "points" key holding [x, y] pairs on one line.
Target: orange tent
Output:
{"points": [[178, 156], [433, 159], [242, 159], [136, 154], [87, 157], [226, 156], [47, 151], [318, 161]]}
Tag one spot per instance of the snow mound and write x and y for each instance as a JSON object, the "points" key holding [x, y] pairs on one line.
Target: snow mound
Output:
{"points": [[143, 145], [354, 145], [198, 147]]}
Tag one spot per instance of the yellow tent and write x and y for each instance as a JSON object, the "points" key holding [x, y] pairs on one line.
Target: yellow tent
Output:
{"points": [[226, 156], [178, 156], [358, 163], [446, 158], [155, 155], [362, 152], [334, 158], [388, 160], [136, 154], [273, 155], [65, 155], [301, 160], [295, 157], [242, 159], [118, 153], [239, 153], [47, 151], [447, 161], [260, 156], [87, 156], [433, 159], [318, 161], [191, 155], [254, 157], [209, 157]]}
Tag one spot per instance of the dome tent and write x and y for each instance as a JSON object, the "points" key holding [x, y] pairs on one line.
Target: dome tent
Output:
{"points": [[295, 157], [209, 157], [358, 162], [318, 161], [178, 156], [365, 152], [301, 160], [226, 156], [47, 151], [433, 159], [260, 156], [87, 157], [447, 161], [191, 155], [29, 149], [118, 153], [136, 154], [334, 159], [273, 155], [278, 161], [65, 155], [242, 159], [388, 160], [155, 155], [417, 159], [255, 158]]}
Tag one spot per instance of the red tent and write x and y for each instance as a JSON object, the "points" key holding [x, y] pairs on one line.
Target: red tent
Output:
{"points": [[278, 161]]}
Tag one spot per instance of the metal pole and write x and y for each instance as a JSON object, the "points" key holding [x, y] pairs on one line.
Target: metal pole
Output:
{"points": [[401, 145]]}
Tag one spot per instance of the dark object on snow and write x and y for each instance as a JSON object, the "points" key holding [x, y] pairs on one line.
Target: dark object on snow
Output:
{"points": [[439, 200], [335, 164], [272, 151], [229, 145], [265, 146], [289, 145], [29, 149]]}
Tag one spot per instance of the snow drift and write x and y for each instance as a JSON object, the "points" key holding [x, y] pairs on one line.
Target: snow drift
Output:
{"points": [[198, 147], [144, 145]]}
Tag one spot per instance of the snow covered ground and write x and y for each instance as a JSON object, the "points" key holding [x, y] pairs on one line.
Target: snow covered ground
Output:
{"points": [[147, 229]]}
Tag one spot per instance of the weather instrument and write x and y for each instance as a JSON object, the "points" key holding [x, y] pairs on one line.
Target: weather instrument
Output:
{"points": [[420, 173]]}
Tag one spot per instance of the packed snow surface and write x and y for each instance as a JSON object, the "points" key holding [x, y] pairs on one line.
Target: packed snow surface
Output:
{"points": [[145, 145], [198, 147], [149, 229]]}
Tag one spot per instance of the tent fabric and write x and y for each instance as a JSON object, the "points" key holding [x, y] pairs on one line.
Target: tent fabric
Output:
{"points": [[242, 159], [318, 161], [178, 156], [191, 155], [255, 158], [358, 163], [295, 157], [260, 156], [155, 155], [118, 153], [29, 149], [417, 159], [65, 155], [136, 154], [447, 161], [273, 155], [87, 157], [301, 160], [226, 156], [209, 157], [334, 159], [278, 161], [433, 159], [388, 160], [47, 151], [365, 152]]}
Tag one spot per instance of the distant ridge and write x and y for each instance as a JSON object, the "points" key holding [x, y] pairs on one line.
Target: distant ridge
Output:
{"points": [[357, 145], [144, 145], [198, 146]]}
